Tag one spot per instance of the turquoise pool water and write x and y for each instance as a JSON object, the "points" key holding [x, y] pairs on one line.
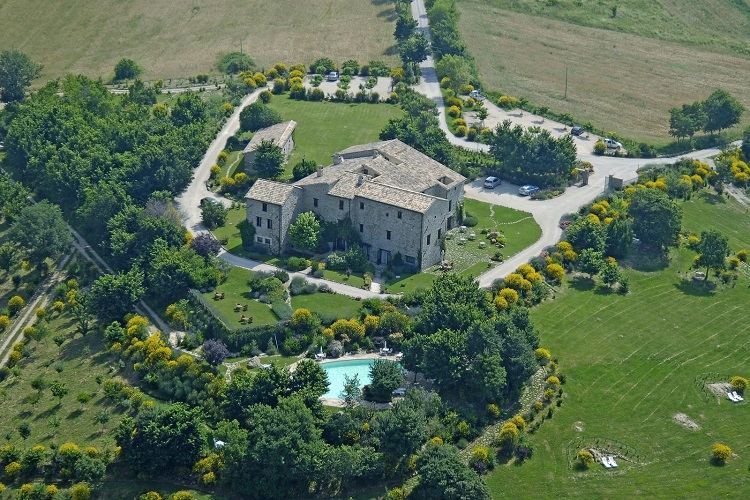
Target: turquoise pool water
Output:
{"points": [[337, 369]]}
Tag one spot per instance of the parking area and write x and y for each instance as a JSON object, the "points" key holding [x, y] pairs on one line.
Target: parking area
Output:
{"points": [[584, 142], [383, 86]]}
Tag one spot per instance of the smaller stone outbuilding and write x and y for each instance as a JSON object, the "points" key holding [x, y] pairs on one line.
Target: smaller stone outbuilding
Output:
{"points": [[280, 134]]}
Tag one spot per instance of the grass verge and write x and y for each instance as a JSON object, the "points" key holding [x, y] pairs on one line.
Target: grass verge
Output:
{"points": [[635, 364], [326, 127]]}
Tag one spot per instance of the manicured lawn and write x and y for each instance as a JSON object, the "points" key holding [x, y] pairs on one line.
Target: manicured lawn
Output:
{"points": [[341, 277], [699, 214], [410, 282], [468, 259], [632, 363], [326, 127], [328, 304], [237, 292]]}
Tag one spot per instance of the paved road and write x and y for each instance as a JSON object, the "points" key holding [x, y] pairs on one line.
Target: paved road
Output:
{"points": [[546, 213], [188, 203]]}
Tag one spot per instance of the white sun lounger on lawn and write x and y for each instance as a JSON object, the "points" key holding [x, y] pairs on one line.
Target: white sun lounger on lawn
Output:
{"points": [[731, 397], [737, 396], [605, 463], [612, 462]]}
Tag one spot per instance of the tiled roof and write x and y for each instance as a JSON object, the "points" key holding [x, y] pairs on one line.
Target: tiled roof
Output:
{"points": [[278, 133], [408, 200], [270, 191]]}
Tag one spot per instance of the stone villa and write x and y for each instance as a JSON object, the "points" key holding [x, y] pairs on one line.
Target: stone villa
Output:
{"points": [[280, 134], [399, 199]]}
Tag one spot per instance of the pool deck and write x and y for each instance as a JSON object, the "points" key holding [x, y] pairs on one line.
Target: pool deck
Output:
{"points": [[339, 403]]}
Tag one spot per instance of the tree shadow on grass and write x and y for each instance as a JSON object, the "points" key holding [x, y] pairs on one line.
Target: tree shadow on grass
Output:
{"points": [[582, 283], [696, 288], [389, 14], [647, 261], [47, 413], [712, 198], [604, 290], [74, 414]]}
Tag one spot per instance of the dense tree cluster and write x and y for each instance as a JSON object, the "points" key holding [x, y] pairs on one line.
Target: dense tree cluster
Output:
{"points": [[533, 155], [468, 350], [115, 163], [719, 111]]}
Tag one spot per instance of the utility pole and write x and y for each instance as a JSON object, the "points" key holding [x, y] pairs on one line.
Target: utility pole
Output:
{"points": [[566, 82]]}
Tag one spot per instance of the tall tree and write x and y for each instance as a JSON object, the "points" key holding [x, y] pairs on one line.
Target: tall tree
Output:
{"points": [[619, 237], [722, 111], [281, 454], [305, 232], [112, 296], [533, 155], [590, 262], [405, 26], [657, 220], [401, 431], [443, 475], [415, 49], [712, 249], [386, 377], [455, 67], [161, 440], [257, 116], [269, 160], [41, 230], [687, 121], [453, 302], [127, 69], [17, 71]]}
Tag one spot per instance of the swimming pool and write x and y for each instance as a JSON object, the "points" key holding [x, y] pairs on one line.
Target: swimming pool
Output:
{"points": [[336, 371]]}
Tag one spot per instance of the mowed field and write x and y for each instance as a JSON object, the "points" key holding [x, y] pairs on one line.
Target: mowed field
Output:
{"points": [[633, 363], [174, 38], [623, 74]]}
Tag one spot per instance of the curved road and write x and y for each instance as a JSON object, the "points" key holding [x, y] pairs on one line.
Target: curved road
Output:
{"points": [[188, 204], [546, 213]]}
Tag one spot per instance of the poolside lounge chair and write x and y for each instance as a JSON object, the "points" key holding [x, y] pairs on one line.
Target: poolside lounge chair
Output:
{"points": [[612, 462], [605, 463], [731, 397], [737, 396]]}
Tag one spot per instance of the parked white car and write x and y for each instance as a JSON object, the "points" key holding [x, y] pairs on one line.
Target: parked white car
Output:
{"points": [[611, 143], [527, 190], [491, 182]]}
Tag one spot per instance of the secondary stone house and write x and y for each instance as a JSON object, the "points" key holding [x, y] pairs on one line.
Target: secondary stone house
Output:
{"points": [[280, 134], [399, 200]]}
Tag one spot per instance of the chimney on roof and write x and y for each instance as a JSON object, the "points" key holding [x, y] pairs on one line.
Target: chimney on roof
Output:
{"points": [[375, 153], [360, 180], [337, 159], [320, 170]]}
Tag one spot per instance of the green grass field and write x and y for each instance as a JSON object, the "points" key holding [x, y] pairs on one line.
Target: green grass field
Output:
{"points": [[624, 73], [633, 363], [19, 402], [172, 39], [326, 127], [328, 304], [237, 292]]}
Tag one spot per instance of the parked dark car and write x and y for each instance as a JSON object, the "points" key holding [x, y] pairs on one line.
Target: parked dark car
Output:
{"points": [[577, 130]]}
